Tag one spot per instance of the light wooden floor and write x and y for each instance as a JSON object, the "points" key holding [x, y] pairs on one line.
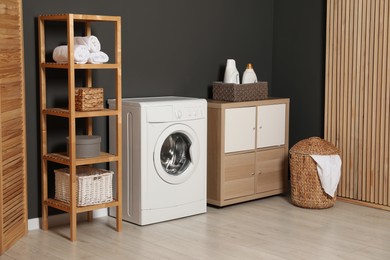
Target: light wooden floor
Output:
{"points": [[269, 228]]}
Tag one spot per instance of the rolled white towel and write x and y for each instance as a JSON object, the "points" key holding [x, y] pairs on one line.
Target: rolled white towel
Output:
{"points": [[81, 54], [98, 57], [92, 42]]}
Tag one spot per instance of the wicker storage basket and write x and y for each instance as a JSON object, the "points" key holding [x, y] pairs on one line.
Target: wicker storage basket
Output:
{"points": [[306, 189], [89, 99], [240, 92], [93, 185]]}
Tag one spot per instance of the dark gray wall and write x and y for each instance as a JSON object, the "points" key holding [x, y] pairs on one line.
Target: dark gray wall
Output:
{"points": [[176, 47], [298, 70], [170, 47]]}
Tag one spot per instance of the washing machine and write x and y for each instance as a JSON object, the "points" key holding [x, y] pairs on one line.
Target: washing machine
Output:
{"points": [[164, 158]]}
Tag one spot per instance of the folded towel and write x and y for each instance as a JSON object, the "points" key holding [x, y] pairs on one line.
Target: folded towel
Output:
{"points": [[329, 171], [81, 54], [92, 42], [98, 57]]}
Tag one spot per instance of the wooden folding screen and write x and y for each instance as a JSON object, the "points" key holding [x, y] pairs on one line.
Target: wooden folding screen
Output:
{"points": [[357, 93], [13, 203]]}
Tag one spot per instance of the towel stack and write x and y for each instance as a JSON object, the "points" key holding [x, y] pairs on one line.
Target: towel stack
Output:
{"points": [[87, 49]]}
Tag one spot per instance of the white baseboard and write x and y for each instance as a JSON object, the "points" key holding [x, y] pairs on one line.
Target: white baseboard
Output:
{"points": [[33, 223], [63, 219]]}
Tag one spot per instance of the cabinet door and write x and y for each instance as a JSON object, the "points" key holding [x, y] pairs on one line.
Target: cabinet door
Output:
{"points": [[240, 128], [271, 125], [271, 170], [239, 175]]}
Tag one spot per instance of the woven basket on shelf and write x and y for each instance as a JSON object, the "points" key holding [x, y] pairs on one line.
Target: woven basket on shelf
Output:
{"points": [[306, 189], [93, 186], [89, 99]]}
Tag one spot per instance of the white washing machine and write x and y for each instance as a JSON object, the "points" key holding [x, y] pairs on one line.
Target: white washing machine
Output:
{"points": [[164, 158]]}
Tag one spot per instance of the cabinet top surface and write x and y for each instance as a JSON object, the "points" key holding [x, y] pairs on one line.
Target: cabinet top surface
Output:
{"points": [[223, 104], [80, 17]]}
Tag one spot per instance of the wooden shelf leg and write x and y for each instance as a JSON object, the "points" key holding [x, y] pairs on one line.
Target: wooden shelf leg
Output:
{"points": [[119, 218], [90, 216], [73, 226], [44, 224], [45, 208]]}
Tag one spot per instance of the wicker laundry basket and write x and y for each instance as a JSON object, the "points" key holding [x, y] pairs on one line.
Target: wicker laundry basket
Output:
{"points": [[93, 186], [306, 189]]}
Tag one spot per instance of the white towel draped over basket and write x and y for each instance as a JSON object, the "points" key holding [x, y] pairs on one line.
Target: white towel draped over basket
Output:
{"points": [[329, 171]]}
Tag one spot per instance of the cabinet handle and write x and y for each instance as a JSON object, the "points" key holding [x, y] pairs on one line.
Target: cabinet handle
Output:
{"points": [[260, 127]]}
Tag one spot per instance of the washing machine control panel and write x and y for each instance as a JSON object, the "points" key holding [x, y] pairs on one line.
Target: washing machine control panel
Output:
{"points": [[176, 111], [188, 113]]}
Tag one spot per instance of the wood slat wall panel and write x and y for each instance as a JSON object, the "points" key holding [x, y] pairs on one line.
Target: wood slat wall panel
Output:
{"points": [[13, 198], [357, 96]]}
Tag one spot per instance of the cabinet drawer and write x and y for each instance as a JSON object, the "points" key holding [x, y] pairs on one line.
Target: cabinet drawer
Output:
{"points": [[239, 175], [271, 170]]}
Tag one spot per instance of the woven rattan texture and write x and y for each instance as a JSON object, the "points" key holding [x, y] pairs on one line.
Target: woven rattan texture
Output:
{"points": [[240, 92], [306, 189], [93, 186], [89, 99]]}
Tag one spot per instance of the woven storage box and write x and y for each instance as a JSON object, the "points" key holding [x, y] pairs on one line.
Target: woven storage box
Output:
{"points": [[306, 189], [240, 92], [93, 186], [89, 99]]}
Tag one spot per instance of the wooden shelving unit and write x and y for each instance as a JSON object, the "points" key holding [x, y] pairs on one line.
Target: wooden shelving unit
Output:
{"points": [[71, 114]]}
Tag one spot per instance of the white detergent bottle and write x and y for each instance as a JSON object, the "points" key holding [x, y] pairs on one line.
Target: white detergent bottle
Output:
{"points": [[249, 75], [231, 72]]}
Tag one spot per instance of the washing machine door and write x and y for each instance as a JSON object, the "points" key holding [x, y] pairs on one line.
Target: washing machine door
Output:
{"points": [[176, 153]]}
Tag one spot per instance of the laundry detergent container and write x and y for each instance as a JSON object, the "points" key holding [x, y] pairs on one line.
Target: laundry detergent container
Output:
{"points": [[306, 188]]}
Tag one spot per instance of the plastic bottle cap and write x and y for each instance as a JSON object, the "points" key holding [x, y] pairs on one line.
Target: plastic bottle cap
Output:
{"points": [[249, 66]]}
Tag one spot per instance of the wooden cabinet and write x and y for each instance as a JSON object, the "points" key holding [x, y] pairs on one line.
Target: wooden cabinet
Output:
{"points": [[247, 150], [69, 159], [13, 173]]}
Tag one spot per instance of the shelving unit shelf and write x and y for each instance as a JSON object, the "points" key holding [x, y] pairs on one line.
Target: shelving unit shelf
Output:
{"points": [[69, 159], [63, 112], [63, 158]]}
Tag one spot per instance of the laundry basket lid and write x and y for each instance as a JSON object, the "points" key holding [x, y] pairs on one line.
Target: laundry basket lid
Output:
{"points": [[314, 145]]}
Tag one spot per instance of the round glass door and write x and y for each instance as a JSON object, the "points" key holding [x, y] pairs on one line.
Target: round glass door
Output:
{"points": [[176, 154]]}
